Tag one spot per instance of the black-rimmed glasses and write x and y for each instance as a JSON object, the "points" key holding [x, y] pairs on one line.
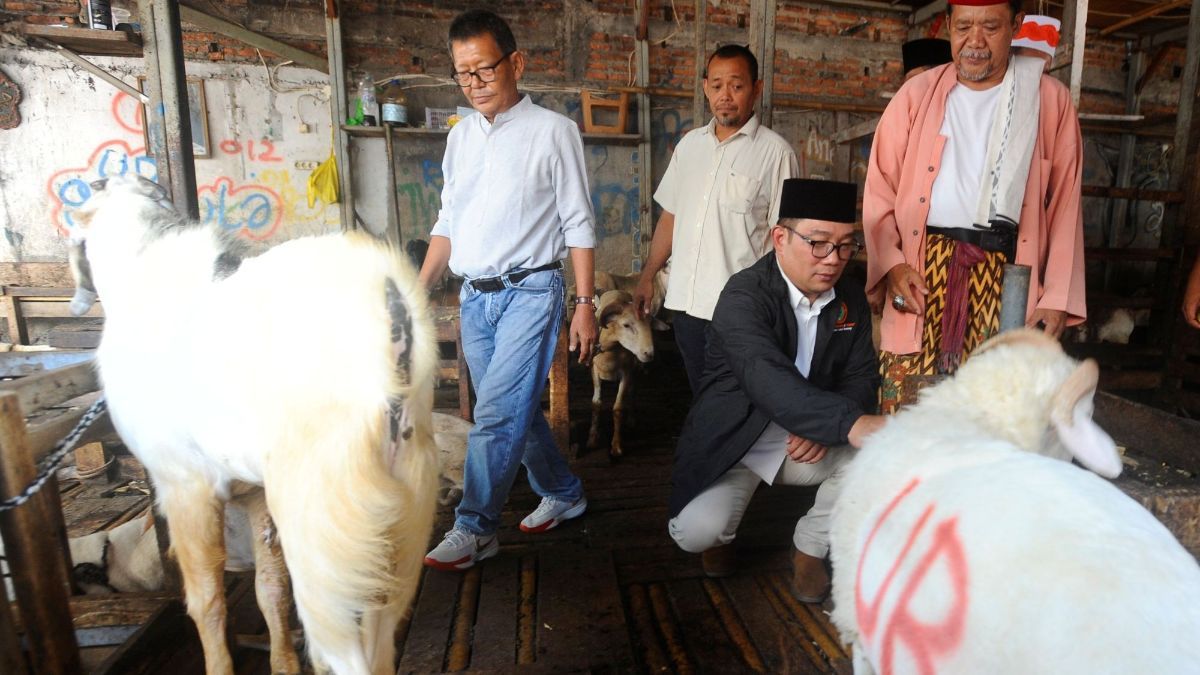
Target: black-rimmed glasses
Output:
{"points": [[822, 249], [485, 74]]}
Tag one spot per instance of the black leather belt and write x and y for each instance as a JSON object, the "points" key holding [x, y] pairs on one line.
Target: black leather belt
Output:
{"points": [[495, 284], [998, 240]]}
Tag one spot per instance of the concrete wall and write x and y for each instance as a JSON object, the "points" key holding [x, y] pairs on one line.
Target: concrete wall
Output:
{"points": [[76, 128]]}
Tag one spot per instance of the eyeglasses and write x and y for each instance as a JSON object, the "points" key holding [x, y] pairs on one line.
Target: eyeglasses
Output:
{"points": [[485, 74], [822, 249]]}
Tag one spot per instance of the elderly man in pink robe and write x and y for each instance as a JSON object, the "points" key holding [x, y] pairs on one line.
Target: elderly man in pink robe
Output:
{"points": [[975, 163]]}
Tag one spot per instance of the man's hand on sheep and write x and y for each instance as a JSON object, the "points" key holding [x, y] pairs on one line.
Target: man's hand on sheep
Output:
{"points": [[906, 289], [804, 451], [864, 427], [1053, 321]]}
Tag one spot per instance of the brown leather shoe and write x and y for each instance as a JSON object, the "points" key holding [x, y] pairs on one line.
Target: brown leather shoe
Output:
{"points": [[810, 581], [719, 561]]}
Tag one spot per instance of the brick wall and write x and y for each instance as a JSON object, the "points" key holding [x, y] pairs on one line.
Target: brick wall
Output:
{"points": [[824, 53]]}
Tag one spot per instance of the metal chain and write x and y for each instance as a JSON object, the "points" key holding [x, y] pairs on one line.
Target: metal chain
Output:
{"points": [[51, 461]]}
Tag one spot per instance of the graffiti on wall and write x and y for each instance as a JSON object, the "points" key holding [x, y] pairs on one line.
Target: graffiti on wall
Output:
{"points": [[419, 196], [254, 210]]}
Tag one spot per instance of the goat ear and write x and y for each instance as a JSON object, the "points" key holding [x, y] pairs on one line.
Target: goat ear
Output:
{"points": [[153, 190], [1071, 415]]}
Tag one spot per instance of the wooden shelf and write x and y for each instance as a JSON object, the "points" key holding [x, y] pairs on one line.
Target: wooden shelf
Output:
{"points": [[415, 132], [88, 41], [377, 131]]}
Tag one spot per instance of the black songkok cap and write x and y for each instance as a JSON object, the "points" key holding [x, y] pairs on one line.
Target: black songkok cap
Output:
{"points": [[819, 200], [925, 52]]}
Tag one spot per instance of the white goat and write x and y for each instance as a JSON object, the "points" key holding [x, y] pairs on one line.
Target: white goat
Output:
{"points": [[224, 384], [962, 544], [624, 337]]}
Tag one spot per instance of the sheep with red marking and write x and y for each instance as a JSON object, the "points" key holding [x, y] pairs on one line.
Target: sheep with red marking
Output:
{"points": [[222, 384], [964, 541]]}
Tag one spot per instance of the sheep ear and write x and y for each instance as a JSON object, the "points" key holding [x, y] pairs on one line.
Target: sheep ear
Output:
{"points": [[1071, 415]]}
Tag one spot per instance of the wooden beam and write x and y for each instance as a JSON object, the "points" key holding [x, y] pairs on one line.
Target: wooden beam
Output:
{"points": [[1155, 61], [32, 535], [1141, 16], [1187, 104], [227, 28], [856, 131], [1077, 50]]}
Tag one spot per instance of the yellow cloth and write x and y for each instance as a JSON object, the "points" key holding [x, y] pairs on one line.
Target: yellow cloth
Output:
{"points": [[323, 183]]}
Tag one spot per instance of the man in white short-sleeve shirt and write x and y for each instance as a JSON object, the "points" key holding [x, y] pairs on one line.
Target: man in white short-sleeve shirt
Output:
{"points": [[720, 196]]}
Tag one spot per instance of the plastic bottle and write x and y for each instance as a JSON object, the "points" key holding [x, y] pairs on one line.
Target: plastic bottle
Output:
{"points": [[394, 105], [366, 100]]}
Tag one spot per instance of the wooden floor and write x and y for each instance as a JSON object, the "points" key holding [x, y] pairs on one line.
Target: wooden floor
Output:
{"points": [[607, 592]]}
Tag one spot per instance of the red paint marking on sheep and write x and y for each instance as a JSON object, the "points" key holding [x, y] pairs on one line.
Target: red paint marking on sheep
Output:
{"points": [[925, 641]]}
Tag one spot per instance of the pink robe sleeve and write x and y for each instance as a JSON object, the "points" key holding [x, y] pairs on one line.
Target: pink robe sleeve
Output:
{"points": [[880, 229], [1063, 285]]}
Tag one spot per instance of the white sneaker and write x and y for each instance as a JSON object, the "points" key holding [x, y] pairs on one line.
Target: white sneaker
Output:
{"points": [[461, 549], [552, 512]]}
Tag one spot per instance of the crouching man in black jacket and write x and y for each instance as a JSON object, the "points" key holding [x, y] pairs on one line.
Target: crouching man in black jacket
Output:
{"points": [[791, 377]]}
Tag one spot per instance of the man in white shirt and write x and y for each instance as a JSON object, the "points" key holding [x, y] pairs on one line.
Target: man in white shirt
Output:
{"points": [[792, 376], [515, 201], [720, 196]]}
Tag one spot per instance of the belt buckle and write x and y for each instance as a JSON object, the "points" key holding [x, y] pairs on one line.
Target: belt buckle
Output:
{"points": [[488, 284]]}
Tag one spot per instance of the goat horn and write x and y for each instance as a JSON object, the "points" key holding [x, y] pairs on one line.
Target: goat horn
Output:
{"points": [[158, 192], [1027, 336], [98, 185]]}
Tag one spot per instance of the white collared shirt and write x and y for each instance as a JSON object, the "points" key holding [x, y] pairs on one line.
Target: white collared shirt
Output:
{"points": [[770, 450], [515, 193], [724, 196]]}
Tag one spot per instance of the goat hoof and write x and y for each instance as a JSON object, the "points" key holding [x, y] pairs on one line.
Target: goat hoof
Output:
{"points": [[615, 451]]}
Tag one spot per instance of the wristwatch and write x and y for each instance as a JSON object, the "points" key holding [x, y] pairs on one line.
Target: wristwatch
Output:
{"points": [[584, 300]]}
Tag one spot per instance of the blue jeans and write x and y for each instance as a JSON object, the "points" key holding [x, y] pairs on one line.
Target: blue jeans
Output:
{"points": [[509, 338]]}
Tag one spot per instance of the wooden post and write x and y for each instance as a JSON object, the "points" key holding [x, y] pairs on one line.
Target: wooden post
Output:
{"points": [[167, 116], [17, 331], [700, 35], [12, 660], [339, 109], [642, 227], [1187, 105], [33, 534]]}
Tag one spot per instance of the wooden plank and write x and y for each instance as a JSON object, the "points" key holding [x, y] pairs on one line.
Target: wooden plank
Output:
{"points": [[91, 460], [1149, 431], [122, 609], [144, 653], [89, 41], [17, 332], [253, 39], [36, 274], [49, 308], [433, 615], [1168, 196], [809, 657], [733, 624], [459, 654], [494, 645], [766, 629], [706, 639], [660, 605], [654, 659], [12, 659], [567, 573], [35, 540], [1141, 16], [52, 387], [21, 364]]}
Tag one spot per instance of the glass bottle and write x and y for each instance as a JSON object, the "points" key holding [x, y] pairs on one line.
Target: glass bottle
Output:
{"points": [[394, 104]]}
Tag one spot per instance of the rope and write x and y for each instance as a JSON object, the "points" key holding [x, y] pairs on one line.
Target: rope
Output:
{"points": [[51, 461]]}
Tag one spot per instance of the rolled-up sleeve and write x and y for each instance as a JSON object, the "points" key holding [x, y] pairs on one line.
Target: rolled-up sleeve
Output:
{"points": [[571, 191]]}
